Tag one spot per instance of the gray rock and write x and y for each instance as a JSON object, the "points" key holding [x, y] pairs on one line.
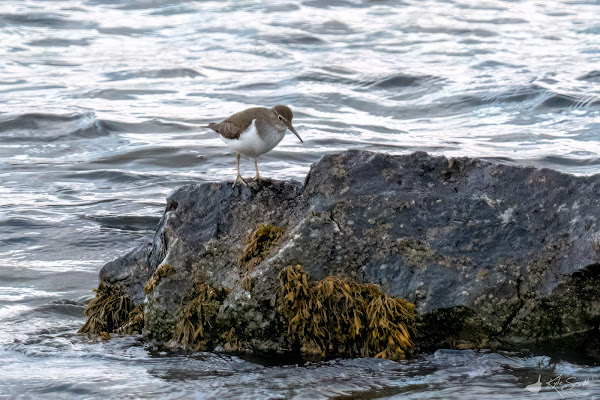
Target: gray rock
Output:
{"points": [[489, 253]]}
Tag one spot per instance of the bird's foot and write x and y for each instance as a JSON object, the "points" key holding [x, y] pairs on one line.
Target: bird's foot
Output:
{"points": [[239, 179]]}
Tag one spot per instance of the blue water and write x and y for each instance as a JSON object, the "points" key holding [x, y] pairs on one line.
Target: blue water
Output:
{"points": [[100, 103]]}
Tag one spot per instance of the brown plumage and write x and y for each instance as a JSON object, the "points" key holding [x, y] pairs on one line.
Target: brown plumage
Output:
{"points": [[255, 131], [232, 127]]}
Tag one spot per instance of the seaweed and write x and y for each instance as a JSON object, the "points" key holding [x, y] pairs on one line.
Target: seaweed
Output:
{"points": [[108, 311], [198, 316], [232, 341], [135, 321], [334, 316], [258, 245], [390, 321], [247, 283], [161, 272]]}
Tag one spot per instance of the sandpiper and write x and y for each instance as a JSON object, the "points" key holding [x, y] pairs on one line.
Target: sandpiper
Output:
{"points": [[255, 131]]}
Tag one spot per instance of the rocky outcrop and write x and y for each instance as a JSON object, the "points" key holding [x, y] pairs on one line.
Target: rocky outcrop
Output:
{"points": [[491, 255]]}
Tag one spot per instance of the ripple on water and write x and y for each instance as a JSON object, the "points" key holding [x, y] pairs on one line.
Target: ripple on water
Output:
{"points": [[592, 76], [46, 20], [400, 80], [153, 74], [126, 222], [121, 94], [38, 127], [293, 39], [124, 30], [59, 42]]}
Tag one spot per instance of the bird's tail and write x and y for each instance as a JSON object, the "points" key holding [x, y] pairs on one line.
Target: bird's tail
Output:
{"points": [[204, 126]]}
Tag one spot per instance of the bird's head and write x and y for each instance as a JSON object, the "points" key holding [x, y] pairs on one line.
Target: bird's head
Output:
{"points": [[284, 115]]}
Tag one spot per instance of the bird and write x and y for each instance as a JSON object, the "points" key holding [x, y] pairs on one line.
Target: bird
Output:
{"points": [[255, 131]]}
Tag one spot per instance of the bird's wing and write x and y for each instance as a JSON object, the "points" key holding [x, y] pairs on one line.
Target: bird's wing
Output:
{"points": [[233, 126], [227, 129]]}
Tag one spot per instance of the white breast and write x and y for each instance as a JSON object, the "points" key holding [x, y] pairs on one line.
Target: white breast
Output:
{"points": [[250, 144]]}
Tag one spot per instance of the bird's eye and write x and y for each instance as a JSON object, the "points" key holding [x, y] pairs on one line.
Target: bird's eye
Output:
{"points": [[280, 118]]}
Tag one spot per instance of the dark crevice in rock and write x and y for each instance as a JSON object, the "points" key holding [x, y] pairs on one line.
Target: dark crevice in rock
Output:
{"points": [[171, 205], [517, 308], [591, 271]]}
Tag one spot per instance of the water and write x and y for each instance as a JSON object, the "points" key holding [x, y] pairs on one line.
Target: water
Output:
{"points": [[100, 101]]}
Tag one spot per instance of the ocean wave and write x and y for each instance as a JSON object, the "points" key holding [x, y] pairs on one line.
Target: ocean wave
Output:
{"points": [[515, 94], [126, 222], [480, 32], [46, 20], [59, 42], [39, 127], [302, 39], [569, 161], [124, 30], [401, 80], [107, 175], [592, 76], [339, 3], [531, 96], [65, 307], [495, 21], [121, 94], [166, 157], [153, 74], [25, 222], [552, 100], [327, 77], [150, 126], [331, 27], [353, 78]]}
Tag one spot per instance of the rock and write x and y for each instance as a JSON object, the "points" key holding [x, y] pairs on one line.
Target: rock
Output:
{"points": [[488, 253]]}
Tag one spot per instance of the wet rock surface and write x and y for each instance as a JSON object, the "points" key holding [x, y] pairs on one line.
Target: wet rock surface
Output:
{"points": [[490, 254]]}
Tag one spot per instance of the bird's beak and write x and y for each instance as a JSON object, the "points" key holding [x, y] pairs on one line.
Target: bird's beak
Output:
{"points": [[291, 128]]}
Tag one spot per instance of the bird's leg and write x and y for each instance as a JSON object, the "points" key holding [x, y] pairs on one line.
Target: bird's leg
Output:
{"points": [[256, 166], [239, 177]]}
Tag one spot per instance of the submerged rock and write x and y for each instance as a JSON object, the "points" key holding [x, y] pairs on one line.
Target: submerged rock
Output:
{"points": [[491, 255]]}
